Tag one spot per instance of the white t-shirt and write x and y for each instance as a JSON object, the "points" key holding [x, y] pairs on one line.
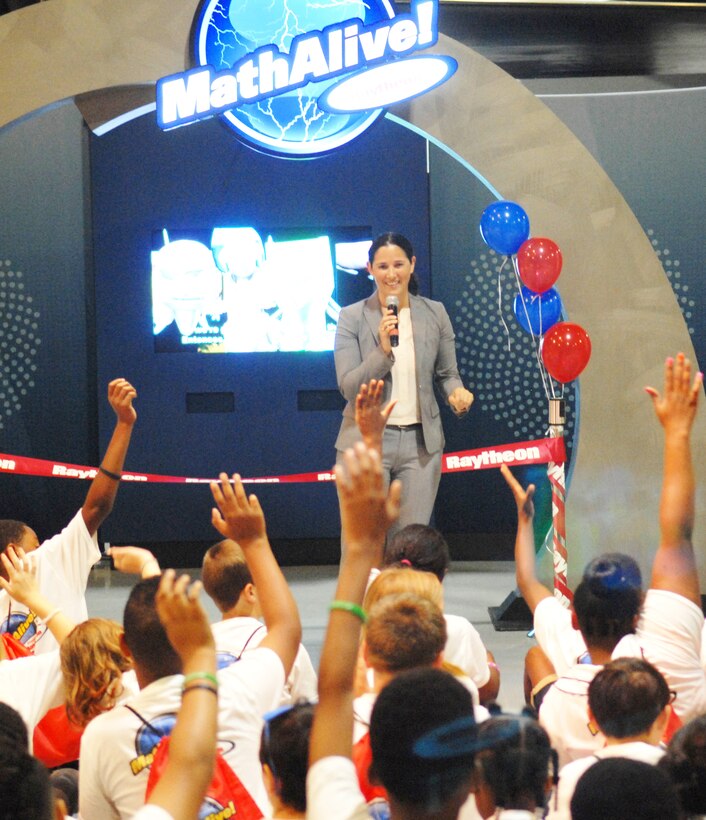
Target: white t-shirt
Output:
{"points": [[231, 636], [668, 635], [557, 638], [63, 565], [569, 775], [465, 649], [332, 791], [362, 709], [152, 812], [117, 747], [564, 714], [32, 686]]}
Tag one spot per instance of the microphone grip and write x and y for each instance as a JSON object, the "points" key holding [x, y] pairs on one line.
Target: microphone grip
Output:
{"points": [[394, 334]]}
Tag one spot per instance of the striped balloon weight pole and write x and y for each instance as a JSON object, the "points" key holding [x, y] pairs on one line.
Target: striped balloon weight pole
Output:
{"points": [[556, 476]]}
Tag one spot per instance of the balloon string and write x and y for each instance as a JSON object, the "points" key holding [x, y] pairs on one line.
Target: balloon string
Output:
{"points": [[500, 304], [535, 340]]}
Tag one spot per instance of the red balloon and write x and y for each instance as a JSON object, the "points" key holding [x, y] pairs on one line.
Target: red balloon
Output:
{"points": [[566, 350], [539, 262]]}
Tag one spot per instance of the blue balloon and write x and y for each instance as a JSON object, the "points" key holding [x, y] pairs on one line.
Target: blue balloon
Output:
{"points": [[504, 226], [540, 310]]}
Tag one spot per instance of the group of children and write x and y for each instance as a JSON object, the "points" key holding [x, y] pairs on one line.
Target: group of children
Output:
{"points": [[170, 717]]}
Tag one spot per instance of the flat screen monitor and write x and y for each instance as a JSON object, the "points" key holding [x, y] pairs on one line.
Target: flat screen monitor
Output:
{"points": [[251, 289]]}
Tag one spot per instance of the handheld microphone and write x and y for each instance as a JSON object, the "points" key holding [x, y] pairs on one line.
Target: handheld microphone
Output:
{"points": [[393, 303]]}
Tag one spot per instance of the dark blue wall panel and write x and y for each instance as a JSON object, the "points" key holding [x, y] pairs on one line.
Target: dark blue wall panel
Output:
{"points": [[47, 395], [200, 177]]}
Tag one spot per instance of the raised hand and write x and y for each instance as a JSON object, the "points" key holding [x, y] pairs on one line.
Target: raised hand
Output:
{"points": [[676, 406], [523, 496], [370, 416], [237, 515], [21, 571], [104, 487], [182, 615], [134, 560], [367, 508], [533, 591], [240, 518], [121, 395], [674, 564], [21, 584]]}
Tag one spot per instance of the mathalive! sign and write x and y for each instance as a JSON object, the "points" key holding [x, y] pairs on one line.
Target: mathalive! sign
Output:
{"points": [[298, 78]]}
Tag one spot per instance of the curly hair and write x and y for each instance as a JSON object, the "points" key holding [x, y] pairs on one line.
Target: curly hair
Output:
{"points": [[91, 660]]}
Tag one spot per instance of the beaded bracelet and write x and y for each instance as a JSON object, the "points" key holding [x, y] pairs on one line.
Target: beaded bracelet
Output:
{"points": [[348, 606], [204, 686], [200, 676]]}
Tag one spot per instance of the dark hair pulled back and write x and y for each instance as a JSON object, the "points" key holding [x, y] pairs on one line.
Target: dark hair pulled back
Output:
{"points": [[400, 241]]}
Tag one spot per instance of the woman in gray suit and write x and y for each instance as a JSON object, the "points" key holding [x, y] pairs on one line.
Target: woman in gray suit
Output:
{"points": [[407, 341]]}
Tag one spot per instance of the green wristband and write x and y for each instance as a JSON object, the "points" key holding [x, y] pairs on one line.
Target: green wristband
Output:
{"points": [[200, 676], [347, 606]]}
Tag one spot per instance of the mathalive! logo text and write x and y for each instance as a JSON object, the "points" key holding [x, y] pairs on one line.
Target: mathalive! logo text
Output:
{"points": [[298, 78]]}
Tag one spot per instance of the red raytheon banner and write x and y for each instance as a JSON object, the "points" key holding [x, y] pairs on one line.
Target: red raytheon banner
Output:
{"points": [[541, 451]]}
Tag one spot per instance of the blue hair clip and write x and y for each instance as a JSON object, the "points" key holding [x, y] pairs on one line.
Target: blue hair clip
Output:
{"points": [[450, 740]]}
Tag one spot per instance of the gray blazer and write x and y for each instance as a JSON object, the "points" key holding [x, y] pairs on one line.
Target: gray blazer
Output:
{"points": [[359, 358]]}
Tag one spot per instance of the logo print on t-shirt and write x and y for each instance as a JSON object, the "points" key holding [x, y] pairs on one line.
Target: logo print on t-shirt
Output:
{"points": [[224, 659], [22, 626], [147, 739], [212, 810]]}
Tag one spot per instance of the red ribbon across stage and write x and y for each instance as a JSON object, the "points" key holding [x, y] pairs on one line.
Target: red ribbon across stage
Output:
{"points": [[541, 451]]}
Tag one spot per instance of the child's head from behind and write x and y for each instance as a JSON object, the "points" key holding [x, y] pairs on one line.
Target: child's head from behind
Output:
{"points": [[92, 663], [607, 601], [422, 737], [512, 766], [404, 631], [420, 547]]}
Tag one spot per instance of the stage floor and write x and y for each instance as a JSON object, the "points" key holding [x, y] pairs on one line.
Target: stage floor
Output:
{"points": [[469, 589]]}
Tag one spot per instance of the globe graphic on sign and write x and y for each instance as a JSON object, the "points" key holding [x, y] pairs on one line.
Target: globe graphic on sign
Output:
{"points": [[225, 31]]}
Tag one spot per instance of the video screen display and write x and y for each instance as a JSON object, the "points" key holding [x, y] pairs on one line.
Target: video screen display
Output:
{"points": [[249, 289]]}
